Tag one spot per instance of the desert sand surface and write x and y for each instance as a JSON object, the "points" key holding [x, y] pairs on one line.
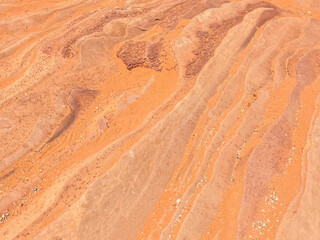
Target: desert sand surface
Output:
{"points": [[160, 119]]}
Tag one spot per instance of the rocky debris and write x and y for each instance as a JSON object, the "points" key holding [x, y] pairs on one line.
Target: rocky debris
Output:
{"points": [[141, 54], [4, 216]]}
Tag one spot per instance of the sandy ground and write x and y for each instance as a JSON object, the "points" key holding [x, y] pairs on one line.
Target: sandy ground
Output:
{"points": [[160, 119]]}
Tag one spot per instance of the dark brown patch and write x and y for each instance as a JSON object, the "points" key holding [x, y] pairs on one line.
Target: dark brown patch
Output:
{"points": [[210, 40], [8, 174], [141, 54]]}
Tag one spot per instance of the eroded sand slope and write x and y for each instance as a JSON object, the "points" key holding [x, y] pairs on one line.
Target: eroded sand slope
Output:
{"points": [[160, 119]]}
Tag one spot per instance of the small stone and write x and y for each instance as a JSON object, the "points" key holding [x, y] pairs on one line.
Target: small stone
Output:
{"points": [[131, 153], [178, 200]]}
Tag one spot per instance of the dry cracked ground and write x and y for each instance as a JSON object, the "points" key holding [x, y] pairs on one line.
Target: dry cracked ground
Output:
{"points": [[160, 119]]}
